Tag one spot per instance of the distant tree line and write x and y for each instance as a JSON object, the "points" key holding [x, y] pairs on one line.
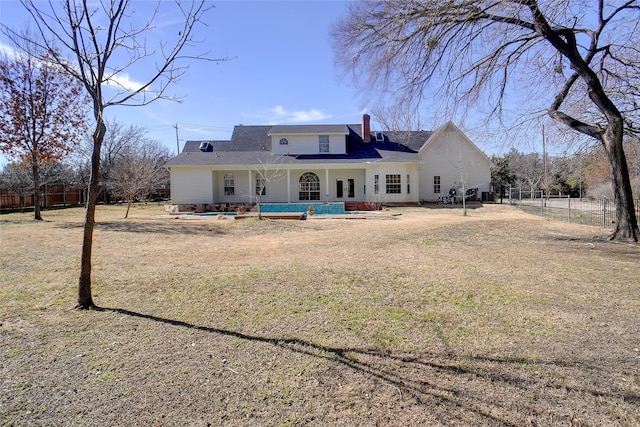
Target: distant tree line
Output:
{"points": [[582, 174], [133, 170]]}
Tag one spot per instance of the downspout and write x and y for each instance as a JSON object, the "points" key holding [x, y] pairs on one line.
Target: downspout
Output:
{"points": [[418, 175]]}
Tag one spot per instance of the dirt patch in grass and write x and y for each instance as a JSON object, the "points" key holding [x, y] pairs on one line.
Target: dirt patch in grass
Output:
{"points": [[432, 318]]}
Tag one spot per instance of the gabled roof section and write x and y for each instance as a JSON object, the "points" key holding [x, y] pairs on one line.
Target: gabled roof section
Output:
{"points": [[450, 126], [308, 130]]}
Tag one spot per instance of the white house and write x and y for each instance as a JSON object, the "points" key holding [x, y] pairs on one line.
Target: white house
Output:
{"points": [[328, 163]]}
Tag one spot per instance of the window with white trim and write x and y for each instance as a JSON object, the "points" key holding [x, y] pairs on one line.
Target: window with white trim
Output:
{"points": [[436, 184], [309, 186], [229, 184], [376, 184], [323, 141], [260, 185], [394, 183]]}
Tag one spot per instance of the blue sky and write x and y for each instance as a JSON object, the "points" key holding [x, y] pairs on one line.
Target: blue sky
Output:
{"points": [[282, 72]]}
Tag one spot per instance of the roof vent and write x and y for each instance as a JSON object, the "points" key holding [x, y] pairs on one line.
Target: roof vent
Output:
{"points": [[204, 145], [379, 136]]}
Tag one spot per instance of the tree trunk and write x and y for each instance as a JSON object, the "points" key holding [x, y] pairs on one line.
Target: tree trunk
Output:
{"points": [[626, 220], [36, 188], [126, 215], [259, 204], [85, 299]]}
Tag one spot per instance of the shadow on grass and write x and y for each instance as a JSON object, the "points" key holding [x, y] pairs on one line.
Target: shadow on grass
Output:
{"points": [[165, 227], [469, 205], [384, 366]]}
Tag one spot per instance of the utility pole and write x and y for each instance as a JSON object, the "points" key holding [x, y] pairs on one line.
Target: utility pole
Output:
{"points": [[544, 163], [177, 140], [545, 183]]}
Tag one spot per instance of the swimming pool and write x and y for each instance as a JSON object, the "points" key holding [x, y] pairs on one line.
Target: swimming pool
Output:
{"points": [[334, 208]]}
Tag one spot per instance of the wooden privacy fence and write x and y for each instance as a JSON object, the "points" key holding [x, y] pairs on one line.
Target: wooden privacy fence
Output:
{"points": [[51, 195], [62, 195]]}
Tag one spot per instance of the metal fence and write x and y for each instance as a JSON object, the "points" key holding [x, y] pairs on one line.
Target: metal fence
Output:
{"points": [[597, 212]]}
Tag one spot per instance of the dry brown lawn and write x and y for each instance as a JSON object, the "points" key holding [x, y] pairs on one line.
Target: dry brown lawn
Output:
{"points": [[497, 318]]}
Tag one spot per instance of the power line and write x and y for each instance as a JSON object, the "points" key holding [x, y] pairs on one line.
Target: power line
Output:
{"points": [[160, 127], [206, 126]]}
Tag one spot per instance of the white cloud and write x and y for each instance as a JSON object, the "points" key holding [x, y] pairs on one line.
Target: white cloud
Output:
{"points": [[279, 114], [124, 81], [6, 50], [120, 80]]}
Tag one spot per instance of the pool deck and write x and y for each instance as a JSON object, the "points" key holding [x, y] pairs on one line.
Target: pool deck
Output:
{"points": [[272, 215], [190, 216]]}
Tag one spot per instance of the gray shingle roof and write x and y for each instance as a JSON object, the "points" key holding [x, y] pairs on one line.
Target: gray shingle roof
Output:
{"points": [[308, 129], [251, 145]]}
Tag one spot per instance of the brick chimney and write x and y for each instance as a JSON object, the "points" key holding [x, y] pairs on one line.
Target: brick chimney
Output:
{"points": [[366, 128]]}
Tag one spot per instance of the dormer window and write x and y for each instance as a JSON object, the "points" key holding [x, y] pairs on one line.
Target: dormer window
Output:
{"points": [[379, 136], [284, 141], [204, 146], [323, 143]]}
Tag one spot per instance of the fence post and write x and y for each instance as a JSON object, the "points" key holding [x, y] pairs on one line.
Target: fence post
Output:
{"points": [[568, 207], [604, 213], [519, 196], [542, 203]]}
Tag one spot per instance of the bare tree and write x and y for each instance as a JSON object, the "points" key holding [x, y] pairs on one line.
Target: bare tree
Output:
{"points": [[15, 177], [116, 140], [462, 162], [98, 35], [397, 117], [138, 169], [479, 52], [266, 173], [41, 112], [527, 168]]}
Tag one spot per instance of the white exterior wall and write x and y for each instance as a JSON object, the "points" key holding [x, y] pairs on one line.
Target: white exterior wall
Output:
{"points": [[191, 185], [245, 187], [240, 183], [358, 175], [451, 157], [402, 169], [307, 144], [282, 191], [276, 190]]}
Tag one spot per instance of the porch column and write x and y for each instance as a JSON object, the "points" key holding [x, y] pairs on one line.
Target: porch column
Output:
{"points": [[251, 190], [326, 173], [288, 185]]}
